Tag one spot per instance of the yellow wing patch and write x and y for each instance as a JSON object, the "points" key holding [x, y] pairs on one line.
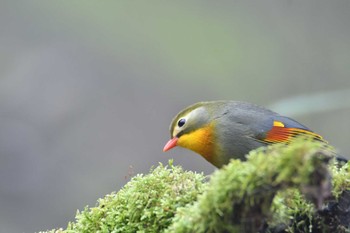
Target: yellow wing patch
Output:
{"points": [[278, 124]]}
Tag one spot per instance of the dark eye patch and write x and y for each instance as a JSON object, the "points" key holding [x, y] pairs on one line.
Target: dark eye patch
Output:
{"points": [[181, 122]]}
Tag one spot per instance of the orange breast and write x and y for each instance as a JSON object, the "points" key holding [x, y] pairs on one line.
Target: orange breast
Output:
{"points": [[200, 141]]}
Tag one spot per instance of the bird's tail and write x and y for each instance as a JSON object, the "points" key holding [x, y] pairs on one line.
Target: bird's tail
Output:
{"points": [[341, 158]]}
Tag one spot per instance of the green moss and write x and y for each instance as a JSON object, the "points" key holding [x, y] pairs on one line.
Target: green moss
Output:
{"points": [[278, 189], [240, 195], [145, 204], [341, 178], [292, 211]]}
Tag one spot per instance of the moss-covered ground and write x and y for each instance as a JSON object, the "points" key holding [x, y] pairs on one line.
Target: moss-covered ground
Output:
{"points": [[294, 188]]}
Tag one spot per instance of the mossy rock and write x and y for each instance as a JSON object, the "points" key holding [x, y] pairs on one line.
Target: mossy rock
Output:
{"points": [[295, 188]]}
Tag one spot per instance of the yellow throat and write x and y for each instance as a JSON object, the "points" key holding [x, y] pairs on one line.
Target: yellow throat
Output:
{"points": [[200, 141]]}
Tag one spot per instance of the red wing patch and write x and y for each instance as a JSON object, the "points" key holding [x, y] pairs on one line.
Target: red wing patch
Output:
{"points": [[281, 134]]}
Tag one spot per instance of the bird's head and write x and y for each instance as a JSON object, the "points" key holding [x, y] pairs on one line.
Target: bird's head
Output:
{"points": [[193, 129]]}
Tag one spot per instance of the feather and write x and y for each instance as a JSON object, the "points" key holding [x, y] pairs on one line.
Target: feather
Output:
{"points": [[279, 133]]}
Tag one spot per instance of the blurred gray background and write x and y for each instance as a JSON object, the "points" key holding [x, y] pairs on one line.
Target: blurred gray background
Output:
{"points": [[88, 88]]}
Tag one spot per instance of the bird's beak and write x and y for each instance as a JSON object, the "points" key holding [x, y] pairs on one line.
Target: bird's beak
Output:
{"points": [[170, 144]]}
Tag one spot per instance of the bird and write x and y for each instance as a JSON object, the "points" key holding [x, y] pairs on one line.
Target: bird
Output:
{"points": [[226, 129]]}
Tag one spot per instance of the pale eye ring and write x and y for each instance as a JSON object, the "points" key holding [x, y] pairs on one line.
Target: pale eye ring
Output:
{"points": [[181, 122]]}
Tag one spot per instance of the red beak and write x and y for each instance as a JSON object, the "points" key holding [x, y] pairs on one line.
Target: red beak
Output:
{"points": [[170, 144]]}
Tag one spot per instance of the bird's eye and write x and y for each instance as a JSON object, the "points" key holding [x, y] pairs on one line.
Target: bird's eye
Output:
{"points": [[181, 122]]}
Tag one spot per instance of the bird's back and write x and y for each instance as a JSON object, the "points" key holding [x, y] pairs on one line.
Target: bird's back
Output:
{"points": [[242, 127]]}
